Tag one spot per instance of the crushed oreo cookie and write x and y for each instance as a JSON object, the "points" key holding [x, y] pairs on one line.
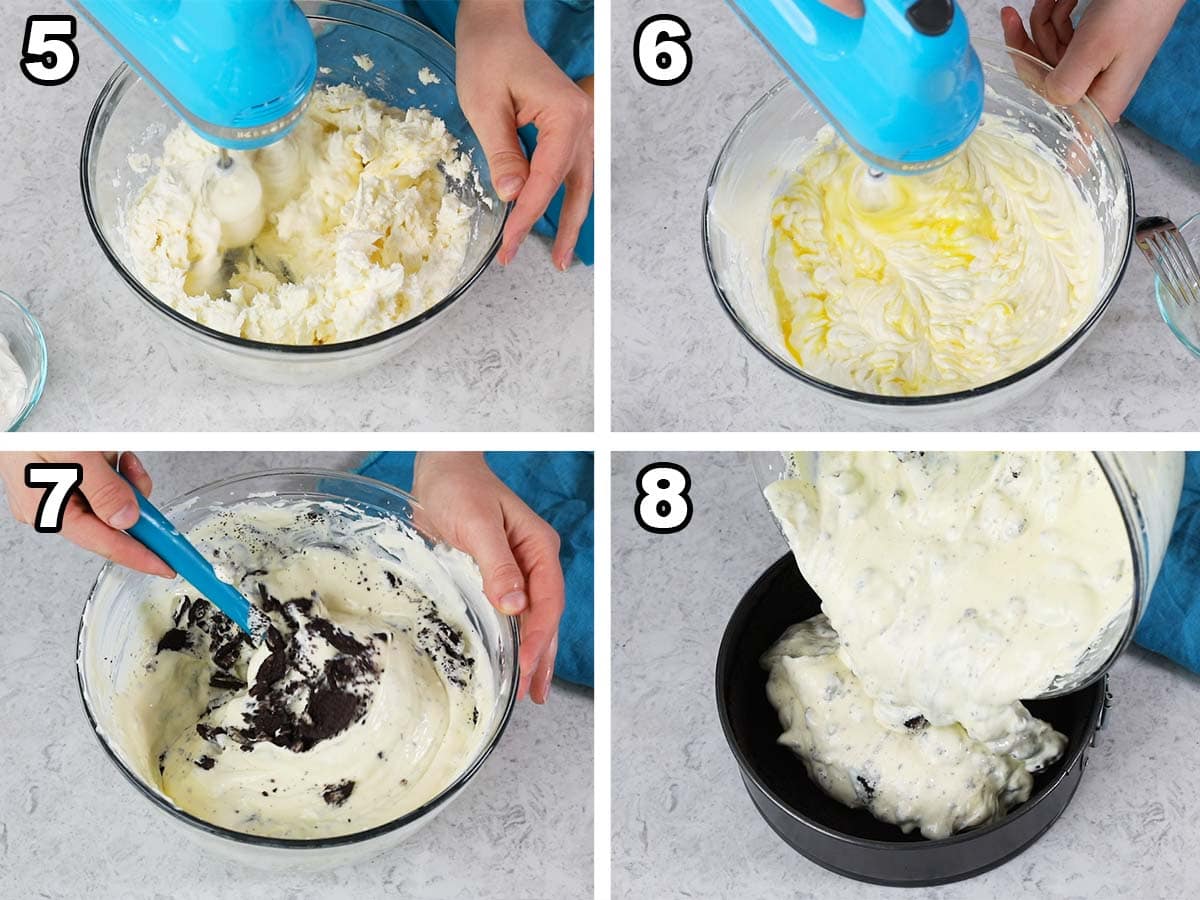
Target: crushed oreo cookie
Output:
{"points": [[337, 794], [916, 723], [443, 643], [206, 762], [296, 705], [868, 788]]}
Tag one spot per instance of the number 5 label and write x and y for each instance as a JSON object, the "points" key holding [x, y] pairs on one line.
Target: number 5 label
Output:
{"points": [[663, 505], [62, 479], [48, 57]]}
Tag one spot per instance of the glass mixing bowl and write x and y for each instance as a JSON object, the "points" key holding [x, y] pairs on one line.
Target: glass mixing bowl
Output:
{"points": [[780, 129], [108, 631], [1146, 487], [28, 347], [130, 118]]}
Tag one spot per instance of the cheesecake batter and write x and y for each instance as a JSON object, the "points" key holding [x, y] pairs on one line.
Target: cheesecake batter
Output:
{"points": [[14, 384], [933, 283], [960, 583], [827, 720], [370, 695], [351, 225]]}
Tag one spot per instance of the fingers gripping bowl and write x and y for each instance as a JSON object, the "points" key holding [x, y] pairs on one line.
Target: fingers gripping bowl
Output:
{"points": [[359, 521], [755, 168], [130, 121]]}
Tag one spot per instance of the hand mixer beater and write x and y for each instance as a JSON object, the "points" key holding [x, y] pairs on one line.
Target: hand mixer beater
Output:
{"points": [[240, 74]]}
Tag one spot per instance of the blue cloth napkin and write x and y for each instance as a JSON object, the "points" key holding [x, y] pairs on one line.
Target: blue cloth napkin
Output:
{"points": [[559, 488], [565, 29], [1167, 105], [1171, 624]]}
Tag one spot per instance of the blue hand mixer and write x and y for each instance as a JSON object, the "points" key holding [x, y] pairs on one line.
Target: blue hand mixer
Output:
{"points": [[238, 71], [901, 85]]}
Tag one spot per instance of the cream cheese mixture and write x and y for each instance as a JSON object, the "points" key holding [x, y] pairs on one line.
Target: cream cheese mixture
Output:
{"points": [[933, 283], [14, 384], [369, 697], [955, 584], [351, 225], [828, 721], [960, 583]]}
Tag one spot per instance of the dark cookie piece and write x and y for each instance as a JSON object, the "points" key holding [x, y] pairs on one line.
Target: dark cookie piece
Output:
{"points": [[206, 762], [176, 639], [209, 732], [337, 794], [916, 723], [338, 639], [868, 788]]}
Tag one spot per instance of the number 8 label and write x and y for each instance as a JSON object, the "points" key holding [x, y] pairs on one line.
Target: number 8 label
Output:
{"points": [[663, 505]]}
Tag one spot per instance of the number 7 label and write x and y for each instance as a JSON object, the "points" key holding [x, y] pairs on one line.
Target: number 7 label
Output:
{"points": [[62, 479]]}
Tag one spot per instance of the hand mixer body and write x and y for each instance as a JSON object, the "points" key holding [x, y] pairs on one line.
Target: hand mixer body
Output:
{"points": [[902, 85], [238, 71]]}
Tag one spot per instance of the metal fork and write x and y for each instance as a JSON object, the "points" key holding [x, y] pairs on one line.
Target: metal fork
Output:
{"points": [[1159, 239]]}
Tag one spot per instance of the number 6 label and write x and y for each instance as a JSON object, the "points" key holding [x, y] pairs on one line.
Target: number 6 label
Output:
{"points": [[660, 51], [48, 57], [62, 479], [663, 505]]}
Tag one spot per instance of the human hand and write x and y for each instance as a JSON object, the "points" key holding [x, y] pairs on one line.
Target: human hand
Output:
{"points": [[1106, 57], [470, 508], [506, 81], [98, 513]]}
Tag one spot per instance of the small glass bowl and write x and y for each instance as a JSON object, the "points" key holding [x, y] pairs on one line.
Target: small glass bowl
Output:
{"points": [[108, 629], [28, 347], [130, 118], [1184, 323]]}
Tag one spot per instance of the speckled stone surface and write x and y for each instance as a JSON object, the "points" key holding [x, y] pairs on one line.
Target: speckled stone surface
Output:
{"points": [[513, 354], [71, 826], [683, 825], [683, 366]]}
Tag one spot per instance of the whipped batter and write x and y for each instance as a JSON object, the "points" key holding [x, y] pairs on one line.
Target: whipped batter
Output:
{"points": [[933, 283], [920, 775], [351, 225], [960, 583], [370, 695], [14, 384]]}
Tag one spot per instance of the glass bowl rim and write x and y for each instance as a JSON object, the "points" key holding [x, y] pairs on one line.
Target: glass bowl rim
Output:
{"points": [[920, 401], [39, 377], [301, 844], [123, 74]]}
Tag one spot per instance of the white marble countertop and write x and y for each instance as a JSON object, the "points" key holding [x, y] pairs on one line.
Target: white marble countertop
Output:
{"points": [[513, 354], [71, 826], [682, 823], [682, 364]]}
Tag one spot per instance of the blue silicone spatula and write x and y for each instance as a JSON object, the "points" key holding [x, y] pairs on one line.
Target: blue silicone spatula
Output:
{"points": [[156, 531]]}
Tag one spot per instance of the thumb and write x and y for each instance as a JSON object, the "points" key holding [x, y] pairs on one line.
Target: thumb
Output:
{"points": [[503, 581], [496, 127], [107, 493]]}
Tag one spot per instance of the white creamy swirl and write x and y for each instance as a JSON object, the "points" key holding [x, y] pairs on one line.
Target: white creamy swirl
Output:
{"points": [[960, 583], [934, 283], [353, 227], [915, 775]]}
